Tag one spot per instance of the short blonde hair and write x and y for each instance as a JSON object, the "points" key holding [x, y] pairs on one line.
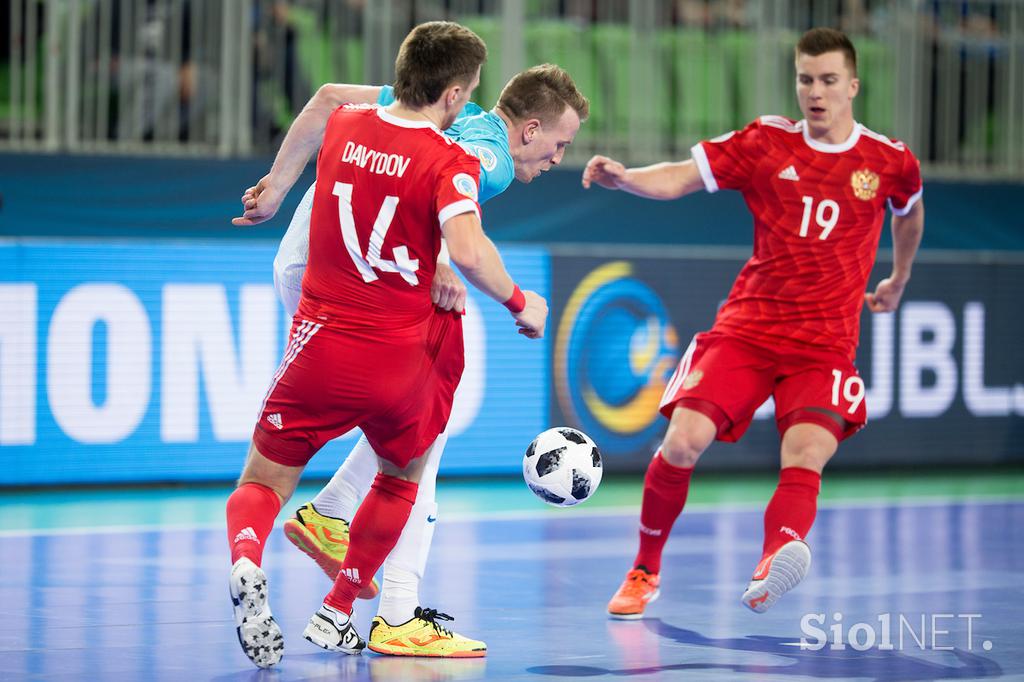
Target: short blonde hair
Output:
{"points": [[542, 92]]}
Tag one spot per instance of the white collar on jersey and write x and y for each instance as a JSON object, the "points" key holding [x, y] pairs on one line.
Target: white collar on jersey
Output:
{"points": [[826, 147], [403, 122]]}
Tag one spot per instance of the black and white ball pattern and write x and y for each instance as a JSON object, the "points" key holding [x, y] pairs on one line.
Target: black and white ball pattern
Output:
{"points": [[562, 466]]}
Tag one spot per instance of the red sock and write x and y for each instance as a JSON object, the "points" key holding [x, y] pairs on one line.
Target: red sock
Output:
{"points": [[665, 488], [790, 514], [251, 511], [376, 528]]}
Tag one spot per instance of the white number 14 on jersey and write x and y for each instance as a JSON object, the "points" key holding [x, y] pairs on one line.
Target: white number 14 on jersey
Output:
{"points": [[402, 264]]}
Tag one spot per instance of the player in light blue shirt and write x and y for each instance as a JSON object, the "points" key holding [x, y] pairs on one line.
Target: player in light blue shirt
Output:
{"points": [[537, 116]]}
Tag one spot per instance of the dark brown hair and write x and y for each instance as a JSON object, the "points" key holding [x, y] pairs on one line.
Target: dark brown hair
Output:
{"points": [[821, 40], [542, 92], [432, 58]]}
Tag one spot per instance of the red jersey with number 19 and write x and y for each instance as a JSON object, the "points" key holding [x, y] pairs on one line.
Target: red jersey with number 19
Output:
{"points": [[384, 187], [818, 212]]}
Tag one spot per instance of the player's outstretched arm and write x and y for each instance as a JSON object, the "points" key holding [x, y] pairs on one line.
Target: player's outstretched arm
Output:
{"points": [[260, 202], [906, 237], [666, 180], [480, 262]]}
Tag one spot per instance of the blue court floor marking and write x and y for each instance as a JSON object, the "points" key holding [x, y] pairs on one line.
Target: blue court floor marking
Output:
{"points": [[543, 513], [152, 604]]}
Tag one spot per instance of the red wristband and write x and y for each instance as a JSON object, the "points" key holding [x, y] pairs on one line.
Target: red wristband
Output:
{"points": [[516, 302]]}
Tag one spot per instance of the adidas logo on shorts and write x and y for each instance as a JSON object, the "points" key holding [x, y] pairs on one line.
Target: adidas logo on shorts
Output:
{"points": [[275, 419]]}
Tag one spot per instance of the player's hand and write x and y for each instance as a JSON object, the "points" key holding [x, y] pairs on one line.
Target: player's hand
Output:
{"points": [[606, 172], [259, 203], [886, 297], [532, 318], [447, 290]]}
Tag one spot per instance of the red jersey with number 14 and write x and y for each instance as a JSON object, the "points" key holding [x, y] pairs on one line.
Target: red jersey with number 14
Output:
{"points": [[818, 211], [384, 187]]}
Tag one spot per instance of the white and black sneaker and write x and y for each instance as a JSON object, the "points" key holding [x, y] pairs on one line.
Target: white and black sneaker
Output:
{"points": [[776, 575], [333, 630], [258, 632]]}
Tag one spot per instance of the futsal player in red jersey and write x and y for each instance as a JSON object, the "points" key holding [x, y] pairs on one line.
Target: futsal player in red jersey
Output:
{"points": [[368, 347], [817, 189]]}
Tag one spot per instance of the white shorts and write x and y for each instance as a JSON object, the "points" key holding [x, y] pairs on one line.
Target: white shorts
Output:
{"points": [[292, 254]]}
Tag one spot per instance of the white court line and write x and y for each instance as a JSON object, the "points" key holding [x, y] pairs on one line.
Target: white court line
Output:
{"points": [[528, 515]]}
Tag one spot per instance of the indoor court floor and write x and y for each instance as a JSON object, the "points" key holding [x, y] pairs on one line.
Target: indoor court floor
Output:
{"points": [[921, 577]]}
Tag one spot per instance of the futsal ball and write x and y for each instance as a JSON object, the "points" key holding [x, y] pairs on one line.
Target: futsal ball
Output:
{"points": [[562, 466]]}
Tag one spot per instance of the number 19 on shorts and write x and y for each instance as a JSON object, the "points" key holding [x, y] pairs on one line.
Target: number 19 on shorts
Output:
{"points": [[852, 390]]}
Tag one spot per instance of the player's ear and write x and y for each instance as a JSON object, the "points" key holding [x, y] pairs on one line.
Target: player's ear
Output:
{"points": [[453, 95], [854, 87], [531, 129]]}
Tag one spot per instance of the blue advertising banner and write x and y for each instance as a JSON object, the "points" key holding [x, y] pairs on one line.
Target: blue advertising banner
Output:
{"points": [[944, 374], [148, 362]]}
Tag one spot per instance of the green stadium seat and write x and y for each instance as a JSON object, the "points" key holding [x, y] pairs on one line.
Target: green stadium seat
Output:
{"points": [[571, 47], [491, 78], [874, 106], [701, 97]]}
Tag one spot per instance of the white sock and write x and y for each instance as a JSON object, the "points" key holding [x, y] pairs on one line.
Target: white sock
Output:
{"points": [[340, 497], [339, 617], [404, 567]]}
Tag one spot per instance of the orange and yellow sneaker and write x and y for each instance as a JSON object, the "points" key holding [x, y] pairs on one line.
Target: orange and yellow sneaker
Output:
{"points": [[422, 635], [324, 540], [638, 590], [776, 575]]}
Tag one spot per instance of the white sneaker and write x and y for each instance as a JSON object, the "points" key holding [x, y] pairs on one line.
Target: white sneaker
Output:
{"points": [[776, 575], [258, 633], [333, 630]]}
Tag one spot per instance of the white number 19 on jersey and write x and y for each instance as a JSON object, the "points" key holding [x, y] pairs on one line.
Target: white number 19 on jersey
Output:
{"points": [[826, 216], [402, 264]]}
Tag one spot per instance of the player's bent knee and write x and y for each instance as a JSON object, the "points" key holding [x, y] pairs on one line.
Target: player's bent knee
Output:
{"points": [[689, 434], [815, 460], [683, 447], [280, 478], [808, 446]]}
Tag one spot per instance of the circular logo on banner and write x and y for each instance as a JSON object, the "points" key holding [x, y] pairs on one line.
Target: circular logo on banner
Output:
{"points": [[615, 351], [465, 185]]}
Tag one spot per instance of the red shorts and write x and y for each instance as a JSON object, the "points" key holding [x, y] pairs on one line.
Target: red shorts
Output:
{"points": [[398, 390], [728, 378]]}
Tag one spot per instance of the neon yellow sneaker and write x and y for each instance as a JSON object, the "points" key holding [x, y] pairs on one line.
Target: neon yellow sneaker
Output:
{"points": [[422, 635], [324, 540]]}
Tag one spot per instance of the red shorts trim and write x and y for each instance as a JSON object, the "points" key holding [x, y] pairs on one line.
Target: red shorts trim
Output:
{"points": [[290, 453], [805, 416], [713, 412]]}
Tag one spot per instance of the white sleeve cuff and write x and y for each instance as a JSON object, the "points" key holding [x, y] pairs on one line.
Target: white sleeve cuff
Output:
{"points": [[458, 208], [910, 203], [700, 158]]}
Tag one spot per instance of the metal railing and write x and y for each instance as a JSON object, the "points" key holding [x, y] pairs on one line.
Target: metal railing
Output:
{"points": [[225, 77]]}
